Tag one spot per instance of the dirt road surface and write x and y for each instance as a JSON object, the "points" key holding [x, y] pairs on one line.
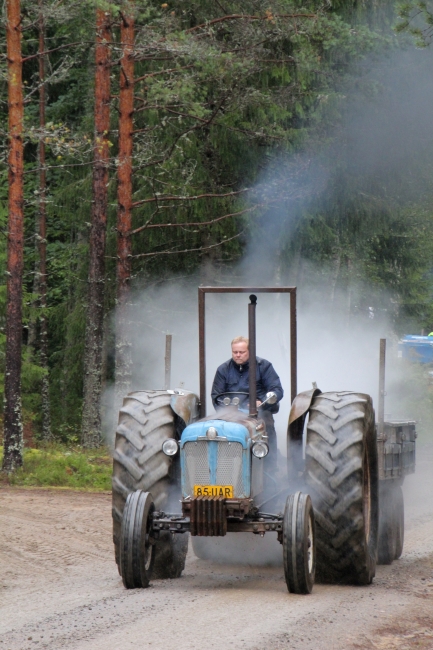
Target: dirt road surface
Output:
{"points": [[59, 587]]}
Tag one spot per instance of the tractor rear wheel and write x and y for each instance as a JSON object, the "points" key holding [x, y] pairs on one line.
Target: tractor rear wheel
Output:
{"points": [[299, 549], [145, 421], [391, 523], [136, 544], [387, 542], [342, 479], [399, 521], [170, 555], [200, 547]]}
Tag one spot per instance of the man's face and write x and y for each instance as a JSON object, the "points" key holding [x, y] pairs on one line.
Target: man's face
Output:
{"points": [[240, 352]]}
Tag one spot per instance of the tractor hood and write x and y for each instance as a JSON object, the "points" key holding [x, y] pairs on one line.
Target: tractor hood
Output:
{"points": [[230, 431]]}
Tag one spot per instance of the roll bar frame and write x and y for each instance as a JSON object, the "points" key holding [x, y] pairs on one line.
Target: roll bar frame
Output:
{"points": [[202, 291]]}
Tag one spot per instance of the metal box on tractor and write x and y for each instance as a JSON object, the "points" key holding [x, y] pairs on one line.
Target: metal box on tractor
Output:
{"points": [[396, 441], [178, 472]]}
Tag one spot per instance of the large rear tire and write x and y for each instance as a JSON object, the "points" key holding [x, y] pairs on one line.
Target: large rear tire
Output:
{"points": [[342, 479], [299, 549], [145, 421]]}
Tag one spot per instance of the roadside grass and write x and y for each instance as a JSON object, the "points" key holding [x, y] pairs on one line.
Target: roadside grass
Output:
{"points": [[56, 465]]}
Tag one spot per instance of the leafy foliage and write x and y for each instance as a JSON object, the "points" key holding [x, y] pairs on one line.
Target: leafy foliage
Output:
{"points": [[230, 96], [417, 19]]}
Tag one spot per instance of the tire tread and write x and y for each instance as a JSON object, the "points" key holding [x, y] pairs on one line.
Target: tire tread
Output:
{"points": [[340, 427], [145, 421]]}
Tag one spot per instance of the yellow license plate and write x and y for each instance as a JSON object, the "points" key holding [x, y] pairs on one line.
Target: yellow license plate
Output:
{"points": [[225, 491]]}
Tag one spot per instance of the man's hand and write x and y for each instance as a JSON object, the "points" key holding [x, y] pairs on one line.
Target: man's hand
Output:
{"points": [[258, 403]]}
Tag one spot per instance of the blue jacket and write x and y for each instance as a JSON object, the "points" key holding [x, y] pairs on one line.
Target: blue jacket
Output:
{"points": [[231, 377]]}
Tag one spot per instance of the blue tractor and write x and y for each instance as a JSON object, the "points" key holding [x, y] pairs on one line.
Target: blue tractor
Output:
{"points": [[181, 473]]}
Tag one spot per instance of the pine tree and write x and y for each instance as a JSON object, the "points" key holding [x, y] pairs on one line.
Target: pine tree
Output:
{"points": [[13, 428], [124, 199], [93, 362], [42, 235]]}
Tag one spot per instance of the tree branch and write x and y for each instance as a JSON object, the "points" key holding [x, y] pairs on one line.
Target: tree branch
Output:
{"points": [[189, 250], [153, 74], [38, 169], [268, 16], [61, 47], [181, 135], [193, 117], [194, 223], [188, 198]]}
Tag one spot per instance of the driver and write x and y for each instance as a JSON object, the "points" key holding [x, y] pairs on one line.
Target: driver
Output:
{"points": [[232, 376]]}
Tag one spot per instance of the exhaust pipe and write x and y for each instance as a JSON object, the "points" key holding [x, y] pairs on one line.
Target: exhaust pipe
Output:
{"points": [[382, 393], [167, 380], [252, 349]]}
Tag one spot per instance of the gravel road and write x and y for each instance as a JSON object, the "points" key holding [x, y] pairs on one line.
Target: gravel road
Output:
{"points": [[59, 587]]}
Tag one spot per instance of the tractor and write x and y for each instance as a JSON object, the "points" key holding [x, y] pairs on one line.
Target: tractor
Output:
{"points": [[180, 473]]}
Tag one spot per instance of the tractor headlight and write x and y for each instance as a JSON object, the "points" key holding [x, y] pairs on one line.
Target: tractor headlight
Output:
{"points": [[170, 447], [260, 449], [211, 433]]}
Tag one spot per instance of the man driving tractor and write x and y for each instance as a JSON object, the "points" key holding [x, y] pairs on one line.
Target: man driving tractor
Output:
{"points": [[232, 377]]}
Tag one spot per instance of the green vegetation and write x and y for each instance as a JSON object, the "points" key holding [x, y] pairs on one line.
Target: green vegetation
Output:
{"points": [[277, 105], [62, 467]]}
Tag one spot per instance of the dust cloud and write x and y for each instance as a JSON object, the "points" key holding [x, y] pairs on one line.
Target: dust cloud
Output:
{"points": [[339, 324], [334, 352], [384, 128]]}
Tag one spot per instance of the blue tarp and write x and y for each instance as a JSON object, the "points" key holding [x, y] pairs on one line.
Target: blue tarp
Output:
{"points": [[416, 348]]}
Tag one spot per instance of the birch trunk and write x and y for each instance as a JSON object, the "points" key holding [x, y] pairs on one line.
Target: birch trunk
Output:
{"points": [[124, 199], [13, 428], [91, 434]]}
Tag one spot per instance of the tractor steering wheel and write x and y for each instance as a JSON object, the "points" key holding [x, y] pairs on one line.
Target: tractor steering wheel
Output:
{"points": [[232, 398]]}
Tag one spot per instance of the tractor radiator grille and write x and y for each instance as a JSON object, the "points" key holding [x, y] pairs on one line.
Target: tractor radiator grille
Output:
{"points": [[197, 470], [205, 467], [208, 517], [229, 466]]}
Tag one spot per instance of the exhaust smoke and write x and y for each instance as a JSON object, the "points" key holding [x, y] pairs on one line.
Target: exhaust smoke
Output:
{"points": [[341, 315]]}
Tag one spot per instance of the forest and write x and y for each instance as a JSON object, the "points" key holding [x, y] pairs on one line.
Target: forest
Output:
{"points": [[145, 141]]}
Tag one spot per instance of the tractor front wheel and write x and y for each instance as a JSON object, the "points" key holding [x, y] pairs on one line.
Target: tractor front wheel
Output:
{"points": [[299, 549], [136, 544]]}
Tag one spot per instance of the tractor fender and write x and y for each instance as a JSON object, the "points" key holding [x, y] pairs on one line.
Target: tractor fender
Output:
{"points": [[300, 407], [185, 405], [302, 403]]}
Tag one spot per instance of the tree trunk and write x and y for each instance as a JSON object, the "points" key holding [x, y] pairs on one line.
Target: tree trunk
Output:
{"points": [[349, 291], [335, 273], [13, 428], [42, 235], [91, 435], [124, 199]]}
